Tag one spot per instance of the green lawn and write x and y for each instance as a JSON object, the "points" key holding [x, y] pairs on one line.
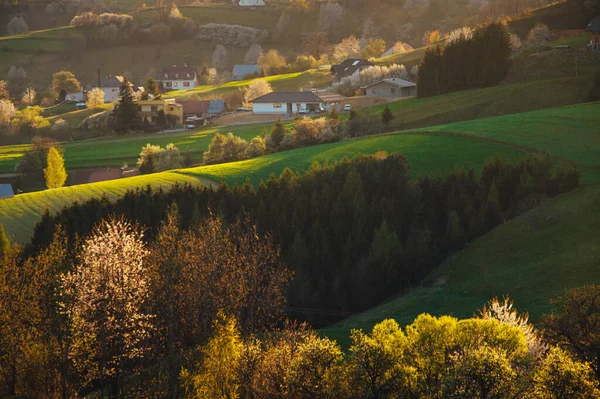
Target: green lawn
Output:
{"points": [[570, 132], [532, 258], [427, 153]]}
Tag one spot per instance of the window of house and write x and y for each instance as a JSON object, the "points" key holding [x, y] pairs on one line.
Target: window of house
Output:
{"points": [[166, 76], [154, 108], [176, 76], [114, 90], [172, 108], [186, 84], [175, 84], [139, 108], [168, 84], [276, 105], [393, 89]]}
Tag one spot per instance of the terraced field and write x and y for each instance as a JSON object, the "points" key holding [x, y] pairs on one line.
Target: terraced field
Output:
{"points": [[427, 153]]}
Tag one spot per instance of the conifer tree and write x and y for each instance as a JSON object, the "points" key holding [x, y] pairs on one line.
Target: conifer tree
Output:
{"points": [[151, 88], [126, 113], [387, 116], [277, 133], [55, 172]]}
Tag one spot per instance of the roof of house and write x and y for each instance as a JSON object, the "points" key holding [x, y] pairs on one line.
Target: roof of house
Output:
{"points": [[394, 82], [239, 71], [288, 97], [194, 106], [6, 191], [594, 25], [216, 107], [348, 67], [111, 81], [175, 72]]}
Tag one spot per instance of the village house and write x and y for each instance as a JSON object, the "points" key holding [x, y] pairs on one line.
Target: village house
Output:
{"points": [[150, 109], [178, 78], [349, 68], [393, 87], [110, 85], [594, 28], [252, 3], [196, 112], [241, 72], [287, 103]]}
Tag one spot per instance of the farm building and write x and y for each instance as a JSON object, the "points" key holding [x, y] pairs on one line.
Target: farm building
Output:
{"points": [[594, 28], [202, 108], [287, 103], [178, 78], [349, 68], [240, 72], [393, 87], [252, 3], [6, 191]]}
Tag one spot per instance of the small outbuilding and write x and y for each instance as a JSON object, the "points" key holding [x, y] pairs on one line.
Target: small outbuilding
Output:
{"points": [[287, 103], [594, 28], [241, 72], [6, 191], [393, 87]]}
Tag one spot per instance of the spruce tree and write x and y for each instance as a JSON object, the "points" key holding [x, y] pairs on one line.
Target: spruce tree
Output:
{"points": [[387, 116], [151, 88], [126, 113], [277, 132], [204, 75]]}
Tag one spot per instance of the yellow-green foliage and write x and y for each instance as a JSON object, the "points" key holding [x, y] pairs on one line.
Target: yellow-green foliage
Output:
{"points": [[55, 173]]}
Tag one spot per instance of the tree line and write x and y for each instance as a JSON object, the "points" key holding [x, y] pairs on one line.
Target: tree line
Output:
{"points": [[466, 63], [354, 231]]}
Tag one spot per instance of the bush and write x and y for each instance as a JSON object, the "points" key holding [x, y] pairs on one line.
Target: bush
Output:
{"points": [[304, 63], [169, 158], [235, 35], [309, 131], [226, 148], [256, 148], [272, 63], [101, 121]]}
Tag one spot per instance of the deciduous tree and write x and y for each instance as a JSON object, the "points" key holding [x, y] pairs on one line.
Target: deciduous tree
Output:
{"points": [[65, 80], [55, 173], [95, 98], [256, 89]]}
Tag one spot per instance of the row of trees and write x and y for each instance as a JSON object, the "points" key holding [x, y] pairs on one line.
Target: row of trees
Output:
{"points": [[466, 63], [357, 230], [80, 319], [496, 355]]}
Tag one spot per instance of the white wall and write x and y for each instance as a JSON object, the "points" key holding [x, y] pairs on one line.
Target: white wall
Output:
{"points": [[252, 3], [179, 84], [110, 94], [269, 109]]}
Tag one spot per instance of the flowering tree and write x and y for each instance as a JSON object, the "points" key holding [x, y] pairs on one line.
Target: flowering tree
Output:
{"points": [[464, 32], [347, 48], [104, 299], [257, 88], [7, 111], [95, 98], [29, 96]]}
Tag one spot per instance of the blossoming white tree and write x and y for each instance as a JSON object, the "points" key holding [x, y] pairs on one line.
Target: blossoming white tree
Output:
{"points": [[104, 299]]}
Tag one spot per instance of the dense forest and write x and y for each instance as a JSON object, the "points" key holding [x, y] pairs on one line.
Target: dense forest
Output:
{"points": [[353, 232]]}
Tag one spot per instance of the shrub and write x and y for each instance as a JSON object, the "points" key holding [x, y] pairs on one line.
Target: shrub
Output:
{"points": [[304, 63], [272, 63], [28, 120], [235, 35], [309, 131], [169, 158], [225, 148], [98, 122], [256, 148], [148, 160]]}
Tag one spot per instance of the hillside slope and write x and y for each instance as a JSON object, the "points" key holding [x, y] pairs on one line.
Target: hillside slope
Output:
{"points": [[532, 258]]}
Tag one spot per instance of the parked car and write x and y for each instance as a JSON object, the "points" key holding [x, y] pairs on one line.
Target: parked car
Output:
{"points": [[191, 126], [347, 107]]}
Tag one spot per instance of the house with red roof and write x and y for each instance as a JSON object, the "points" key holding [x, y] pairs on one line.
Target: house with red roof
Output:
{"points": [[178, 77]]}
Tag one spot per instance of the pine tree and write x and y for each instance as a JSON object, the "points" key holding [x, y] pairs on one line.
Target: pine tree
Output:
{"points": [[161, 119], [126, 113], [277, 133], [204, 75], [387, 116], [55, 172], [151, 88]]}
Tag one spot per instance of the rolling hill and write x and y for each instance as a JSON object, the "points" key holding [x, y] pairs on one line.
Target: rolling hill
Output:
{"points": [[426, 153], [532, 258]]}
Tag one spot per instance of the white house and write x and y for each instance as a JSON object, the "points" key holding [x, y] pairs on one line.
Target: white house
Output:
{"points": [[178, 78], [110, 85], [252, 3], [287, 103]]}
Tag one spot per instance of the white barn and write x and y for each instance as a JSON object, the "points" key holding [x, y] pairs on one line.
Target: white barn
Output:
{"points": [[287, 103], [252, 3]]}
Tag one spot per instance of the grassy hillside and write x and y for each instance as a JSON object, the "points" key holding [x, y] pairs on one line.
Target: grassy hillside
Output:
{"points": [[532, 258], [427, 153]]}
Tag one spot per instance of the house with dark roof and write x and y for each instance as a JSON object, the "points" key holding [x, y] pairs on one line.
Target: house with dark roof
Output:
{"points": [[594, 28], [241, 72], [202, 108], [110, 85], [216, 107], [393, 87], [287, 103], [6, 191], [349, 68], [178, 77]]}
